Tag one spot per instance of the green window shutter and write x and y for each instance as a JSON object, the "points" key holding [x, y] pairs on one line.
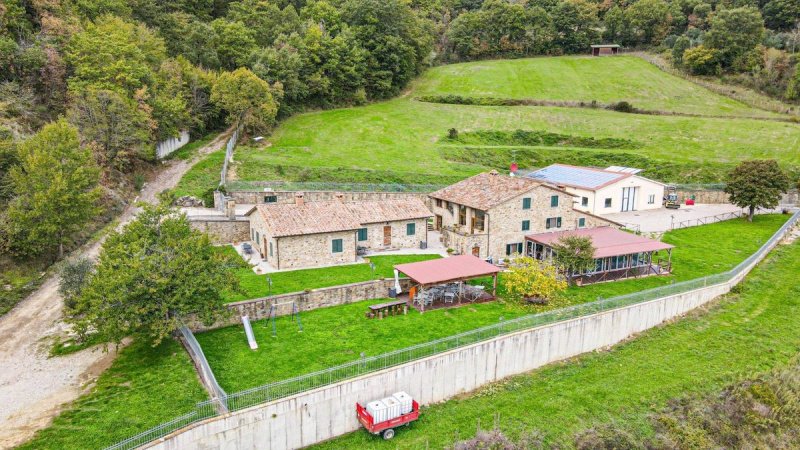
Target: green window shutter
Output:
{"points": [[547, 223], [554, 201], [270, 198], [526, 203], [411, 229], [526, 225], [581, 222], [362, 234], [558, 222], [336, 245]]}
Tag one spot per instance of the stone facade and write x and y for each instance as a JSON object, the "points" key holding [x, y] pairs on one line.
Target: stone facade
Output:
{"points": [[258, 309], [310, 250], [258, 197], [399, 238], [503, 224], [223, 230]]}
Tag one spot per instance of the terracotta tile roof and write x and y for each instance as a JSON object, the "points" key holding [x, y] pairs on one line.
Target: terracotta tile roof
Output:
{"points": [[606, 241], [284, 219], [389, 211], [486, 190], [447, 269]]}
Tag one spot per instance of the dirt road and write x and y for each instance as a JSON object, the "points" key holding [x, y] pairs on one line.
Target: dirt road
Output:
{"points": [[33, 387]]}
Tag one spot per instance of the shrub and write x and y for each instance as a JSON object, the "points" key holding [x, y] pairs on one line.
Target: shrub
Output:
{"points": [[702, 60], [452, 133], [74, 276], [622, 106]]}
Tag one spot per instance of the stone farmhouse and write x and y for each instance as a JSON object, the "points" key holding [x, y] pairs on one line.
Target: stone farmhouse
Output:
{"points": [[489, 215], [301, 235], [604, 191]]}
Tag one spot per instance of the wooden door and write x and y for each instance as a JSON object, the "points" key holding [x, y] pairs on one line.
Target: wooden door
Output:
{"points": [[387, 235], [438, 222]]}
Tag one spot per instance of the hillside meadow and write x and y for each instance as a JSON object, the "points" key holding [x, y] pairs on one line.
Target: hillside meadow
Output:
{"points": [[405, 140]]}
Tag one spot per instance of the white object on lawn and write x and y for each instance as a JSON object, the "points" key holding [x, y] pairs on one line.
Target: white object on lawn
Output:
{"points": [[405, 402], [248, 330], [392, 408], [378, 411], [397, 282]]}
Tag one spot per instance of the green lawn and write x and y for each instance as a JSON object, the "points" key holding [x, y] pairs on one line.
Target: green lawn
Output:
{"points": [[202, 176], [254, 285], [580, 78], [743, 334], [339, 334], [404, 141], [144, 387]]}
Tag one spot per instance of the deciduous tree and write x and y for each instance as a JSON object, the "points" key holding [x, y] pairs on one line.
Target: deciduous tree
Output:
{"points": [[55, 189], [247, 98], [756, 184], [530, 278], [574, 255], [151, 277]]}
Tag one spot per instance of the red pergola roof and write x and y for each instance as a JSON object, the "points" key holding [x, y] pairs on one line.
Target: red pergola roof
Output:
{"points": [[443, 270], [607, 241]]}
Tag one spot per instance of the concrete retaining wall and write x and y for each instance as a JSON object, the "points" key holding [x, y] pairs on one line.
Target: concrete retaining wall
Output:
{"points": [[258, 308], [327, 412], [166, 147], [324, 413]]}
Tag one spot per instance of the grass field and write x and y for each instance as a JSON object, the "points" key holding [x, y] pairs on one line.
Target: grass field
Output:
{"points": [[145, 386], [743, 334], [403, 140], [605, 80], [254, 285], [339, 334]]}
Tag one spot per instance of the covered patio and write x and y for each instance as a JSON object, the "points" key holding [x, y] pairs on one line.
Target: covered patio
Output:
{"points": [[441, 283], [617, 255]]}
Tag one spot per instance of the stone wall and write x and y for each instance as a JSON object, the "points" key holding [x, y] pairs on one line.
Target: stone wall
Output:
{"points": [[256, 197], [221, 229], [504, 222], [258, 309], [320, 414], [399, 238], [718, 196], [312, 250]]}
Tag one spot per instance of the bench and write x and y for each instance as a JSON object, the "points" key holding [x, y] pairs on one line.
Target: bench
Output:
{"points": [[382, 310]]}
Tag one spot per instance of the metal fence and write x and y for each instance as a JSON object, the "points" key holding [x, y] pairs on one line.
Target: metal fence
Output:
{"points": [[199, 358], [707, 220], [231, 145], [292, 386], [330, 186]]}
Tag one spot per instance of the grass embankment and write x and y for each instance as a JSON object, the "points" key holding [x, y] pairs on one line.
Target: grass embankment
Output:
{"points": [[747, 332], [145, 386], [404, 141], [254, 285], [202, 177], [339, 334], [17, 280], [570, 78]]}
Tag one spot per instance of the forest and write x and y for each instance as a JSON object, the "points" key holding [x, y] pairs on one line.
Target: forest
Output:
{"points": [[88, 87]]}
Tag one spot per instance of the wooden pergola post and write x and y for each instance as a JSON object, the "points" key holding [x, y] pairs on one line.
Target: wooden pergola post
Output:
{"points": [[494, 285]]}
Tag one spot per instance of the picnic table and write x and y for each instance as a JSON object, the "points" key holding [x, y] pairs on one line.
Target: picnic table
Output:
{"points": [[382, 310]]}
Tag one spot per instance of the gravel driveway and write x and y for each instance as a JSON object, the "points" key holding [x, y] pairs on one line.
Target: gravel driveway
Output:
{"points": [[33, 387]]}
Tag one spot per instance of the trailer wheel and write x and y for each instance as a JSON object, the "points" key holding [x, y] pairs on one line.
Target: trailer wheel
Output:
{"points": [[388, 434]]}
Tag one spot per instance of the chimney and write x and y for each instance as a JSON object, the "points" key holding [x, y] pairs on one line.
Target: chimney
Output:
{"points": [[298, 199], [340, 197], [230, 208]]}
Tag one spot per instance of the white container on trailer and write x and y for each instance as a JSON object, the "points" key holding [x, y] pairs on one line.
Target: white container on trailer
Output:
{"points": [[392, 408], [405, 402], [378, 411]]}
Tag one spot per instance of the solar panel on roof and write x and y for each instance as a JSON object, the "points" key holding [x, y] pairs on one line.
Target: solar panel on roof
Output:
{"points": [[623, 169], [574, 176]]}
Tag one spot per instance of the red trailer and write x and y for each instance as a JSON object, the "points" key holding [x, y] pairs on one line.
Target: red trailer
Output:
{"points": [[386, 429]]}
